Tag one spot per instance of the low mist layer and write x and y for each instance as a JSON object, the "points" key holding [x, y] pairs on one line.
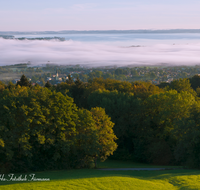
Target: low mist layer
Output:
{"points": [[97, 54]]}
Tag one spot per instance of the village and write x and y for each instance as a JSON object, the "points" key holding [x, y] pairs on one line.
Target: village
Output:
{"points": [[56, 74]]}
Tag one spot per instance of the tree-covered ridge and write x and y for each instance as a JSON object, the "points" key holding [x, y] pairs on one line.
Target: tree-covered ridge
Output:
{"points": [[74, 123], [44, 129], [150, 122]]}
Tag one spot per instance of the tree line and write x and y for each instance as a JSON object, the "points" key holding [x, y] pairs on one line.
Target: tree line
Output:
{"points": [[153, 124], [43, 129], [74, 123]]}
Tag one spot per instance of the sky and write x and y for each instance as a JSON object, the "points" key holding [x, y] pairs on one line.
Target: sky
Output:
{"points": [[56, 15]]}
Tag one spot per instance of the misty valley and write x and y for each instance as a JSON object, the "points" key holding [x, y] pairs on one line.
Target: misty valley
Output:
{"points": [[99, 95], [70, 109]]}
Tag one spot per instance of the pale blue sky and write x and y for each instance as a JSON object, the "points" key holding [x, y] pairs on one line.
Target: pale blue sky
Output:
{"points": [[40, 15]]}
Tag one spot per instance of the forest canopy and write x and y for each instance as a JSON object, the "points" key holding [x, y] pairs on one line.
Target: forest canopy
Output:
{"points": [[74, 123]]}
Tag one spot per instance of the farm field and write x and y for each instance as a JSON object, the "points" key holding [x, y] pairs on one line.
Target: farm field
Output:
{"points": [[98, 179]]}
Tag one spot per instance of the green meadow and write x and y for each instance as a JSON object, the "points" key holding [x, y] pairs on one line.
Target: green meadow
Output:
{"points": [[98, 179]]}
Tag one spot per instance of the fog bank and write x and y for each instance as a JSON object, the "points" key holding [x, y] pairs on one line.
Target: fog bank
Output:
{"points": [[97, 54]]}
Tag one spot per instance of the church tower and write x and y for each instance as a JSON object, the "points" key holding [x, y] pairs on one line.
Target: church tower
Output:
{"points": [[57, 77]]}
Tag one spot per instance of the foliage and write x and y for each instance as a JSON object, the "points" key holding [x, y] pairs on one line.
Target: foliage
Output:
{"points": [[106, 136], [87, 139], [48, 84], [2, 86], [52, 128], [43, 129], [181, 85], [157, 121], [188, 131], [114, 102], [145, 116], [195, 81], [24, 81]]}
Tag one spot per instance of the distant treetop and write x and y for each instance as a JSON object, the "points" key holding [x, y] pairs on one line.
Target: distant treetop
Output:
{"points": [[24, 81]]}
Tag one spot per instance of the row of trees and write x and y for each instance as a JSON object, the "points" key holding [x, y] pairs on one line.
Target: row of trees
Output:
{"points": [[43, 129], [152, 124]]}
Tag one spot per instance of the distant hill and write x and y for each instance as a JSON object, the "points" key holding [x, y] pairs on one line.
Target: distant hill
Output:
{"points": [[24, 38], [99, 32]]}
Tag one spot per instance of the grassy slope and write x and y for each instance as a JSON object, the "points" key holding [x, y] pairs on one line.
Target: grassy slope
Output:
{"points": [[96, 179]]}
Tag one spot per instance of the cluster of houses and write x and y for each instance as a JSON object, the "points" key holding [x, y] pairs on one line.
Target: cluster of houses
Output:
{"points": [[161, 74], [55, 79]]}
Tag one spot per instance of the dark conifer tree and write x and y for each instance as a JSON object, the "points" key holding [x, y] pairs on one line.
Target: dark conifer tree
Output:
{"points": [[78, 82], [48, 84], [69, 80], [24, 81]]}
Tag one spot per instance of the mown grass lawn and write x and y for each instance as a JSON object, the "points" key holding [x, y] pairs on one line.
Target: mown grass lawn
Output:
{"points": [[98, 179]]}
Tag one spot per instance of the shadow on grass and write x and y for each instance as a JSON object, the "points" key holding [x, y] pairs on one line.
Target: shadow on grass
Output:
{"points": [[130, 164]]}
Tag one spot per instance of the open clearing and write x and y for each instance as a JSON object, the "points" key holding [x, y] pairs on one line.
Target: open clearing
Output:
{"points": [[101, 179]]}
